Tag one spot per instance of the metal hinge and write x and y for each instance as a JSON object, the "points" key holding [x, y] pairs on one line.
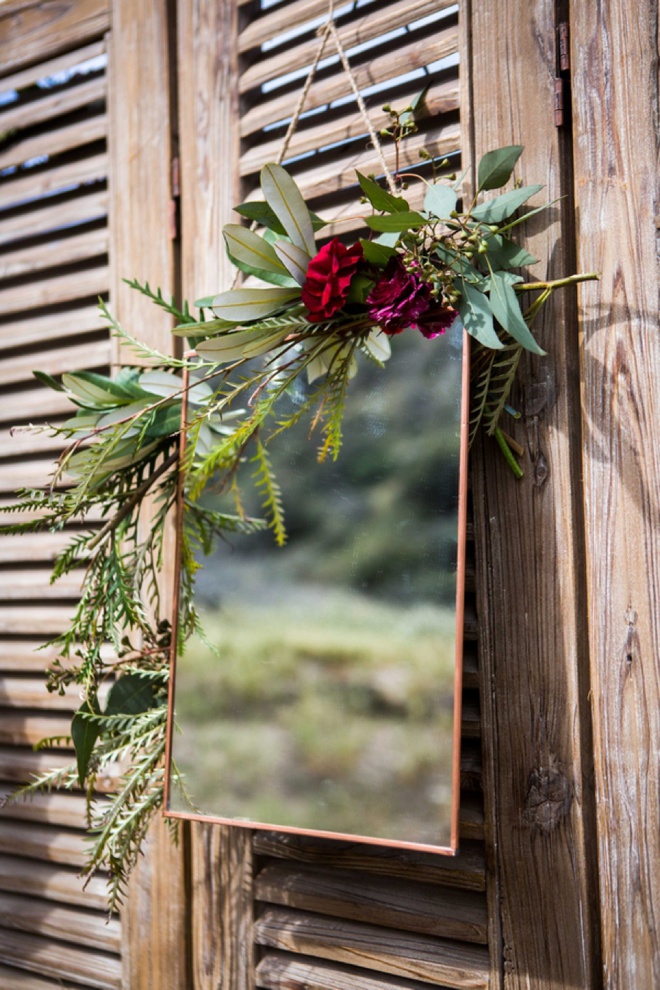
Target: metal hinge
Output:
{"points": [[175, 200], [563, 76]]}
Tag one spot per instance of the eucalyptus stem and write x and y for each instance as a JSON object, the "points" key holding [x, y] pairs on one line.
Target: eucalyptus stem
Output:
{"points": [[506, 450], [557, 283]]}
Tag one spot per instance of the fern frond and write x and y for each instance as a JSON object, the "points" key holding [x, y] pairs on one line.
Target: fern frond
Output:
{"points": [[266, 482]]}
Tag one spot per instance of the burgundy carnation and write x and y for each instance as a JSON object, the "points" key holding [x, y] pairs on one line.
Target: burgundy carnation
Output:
{"points": [[398, 299], [328, 279]]}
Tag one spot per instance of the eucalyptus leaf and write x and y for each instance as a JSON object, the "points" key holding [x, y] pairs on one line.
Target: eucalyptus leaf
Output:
{"points": [[284, 197], [244, 305], [498, 209], [504, 253], [377, 254], [165, 384], [246, 247], [506, 310], [131, 694], [232, 346], [294, 259], [440, 200], [85, 730], [396, 222], [496, 166], [380, 198], [477, 316], [262, 214], [94, 391], [123, 413]]}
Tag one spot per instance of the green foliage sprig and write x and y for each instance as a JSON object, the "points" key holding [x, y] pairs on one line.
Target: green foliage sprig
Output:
{"points": [[320, 313]]}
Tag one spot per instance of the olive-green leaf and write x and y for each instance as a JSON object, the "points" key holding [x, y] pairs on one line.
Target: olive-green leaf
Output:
{"points": [[48, 380], [506, 310], [496, 166], [377, 254], [95, 391], [85, 730], [380, 198], [498, 209], [240, 343], [285, 199], [440, 200], [244, 305], [504, 253], [477, 316], [396, 222], [166, 385], [262, 214], [294, 259], [247, 247], [131, 694]]}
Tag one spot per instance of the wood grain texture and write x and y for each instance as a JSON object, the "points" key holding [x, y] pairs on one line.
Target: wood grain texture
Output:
{"points": [[615, 100], [41, 182], [419, 957], [92, 968], [530, 579], [222, 908], [52, 882], [93, 930], [155, 948], [283, 971], [39, 30], [31, 74]]}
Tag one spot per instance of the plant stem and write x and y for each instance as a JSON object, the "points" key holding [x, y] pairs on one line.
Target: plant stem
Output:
{"points": [[506, 450], [558, 283]]}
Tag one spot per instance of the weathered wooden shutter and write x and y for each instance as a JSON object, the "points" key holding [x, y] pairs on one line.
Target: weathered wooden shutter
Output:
{"points": [[53, 267], [270, 910]]}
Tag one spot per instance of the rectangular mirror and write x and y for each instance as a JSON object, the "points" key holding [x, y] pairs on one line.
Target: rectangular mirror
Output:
{"points": [[326, 697]]}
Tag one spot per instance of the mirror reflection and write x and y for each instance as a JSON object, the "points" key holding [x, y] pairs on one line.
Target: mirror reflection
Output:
{"points": [[321, 696]]}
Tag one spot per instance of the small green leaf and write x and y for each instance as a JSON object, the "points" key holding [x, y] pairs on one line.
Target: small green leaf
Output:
{"points": [[244, 305], [266, 217], [204, 329], [496, 166], [203, 303], [498, 209], [131, 694], [48, 380], [95, 391], [233, 346], [246, 247], [377, 254], [506, 310], [85, 730], [477, 316], [294, 259], [504, 253], [380, 198], [396, 222], [282, 194], [440, 200]]}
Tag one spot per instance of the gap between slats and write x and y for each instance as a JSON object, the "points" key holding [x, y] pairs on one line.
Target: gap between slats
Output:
{"points": [[84, 928], [92, 968]]}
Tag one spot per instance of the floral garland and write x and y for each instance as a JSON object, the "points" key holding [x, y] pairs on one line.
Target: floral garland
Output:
{"points": [[320, 311]]}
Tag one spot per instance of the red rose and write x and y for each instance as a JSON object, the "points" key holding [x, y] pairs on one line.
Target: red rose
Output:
{"points": [[328, 279]]}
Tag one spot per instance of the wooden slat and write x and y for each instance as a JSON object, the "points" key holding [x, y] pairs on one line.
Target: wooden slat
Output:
{"points": [[85, 928], [466, 871], [28, 730], [54, 253], [55, 808], [52, 882], [616, 188], [289, 16], [96, 969], [18, 979], [411, 956], [46, 619], [32, 546], [533, 658], [36, 183], [410, 56], [441, 99], [51, 218], [17, 584], [321, 180], [53, 104], [65, 288], [41, 31], [378, 21], [397, 904], [42, 842], [282, 971], [25, 656], [55, 142], [49, 67], [57, 361], [18, 765], [24, 406], [50, 326], [26, 440], [33, 473]]}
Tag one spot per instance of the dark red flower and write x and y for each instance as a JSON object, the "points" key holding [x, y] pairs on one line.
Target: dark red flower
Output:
{"points": [[436, 320], [398, 299], [328, 279]]}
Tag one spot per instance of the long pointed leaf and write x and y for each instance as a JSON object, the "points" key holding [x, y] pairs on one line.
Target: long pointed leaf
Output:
{"points": [[477, 316], [294, 259], [245, 246], [285, 199], [506, 310], [233, 346], [245, 305], [498, 209], [496, 167]]}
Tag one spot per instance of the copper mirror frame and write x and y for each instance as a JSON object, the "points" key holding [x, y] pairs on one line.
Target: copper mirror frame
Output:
{"points": [[353, 769]]}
